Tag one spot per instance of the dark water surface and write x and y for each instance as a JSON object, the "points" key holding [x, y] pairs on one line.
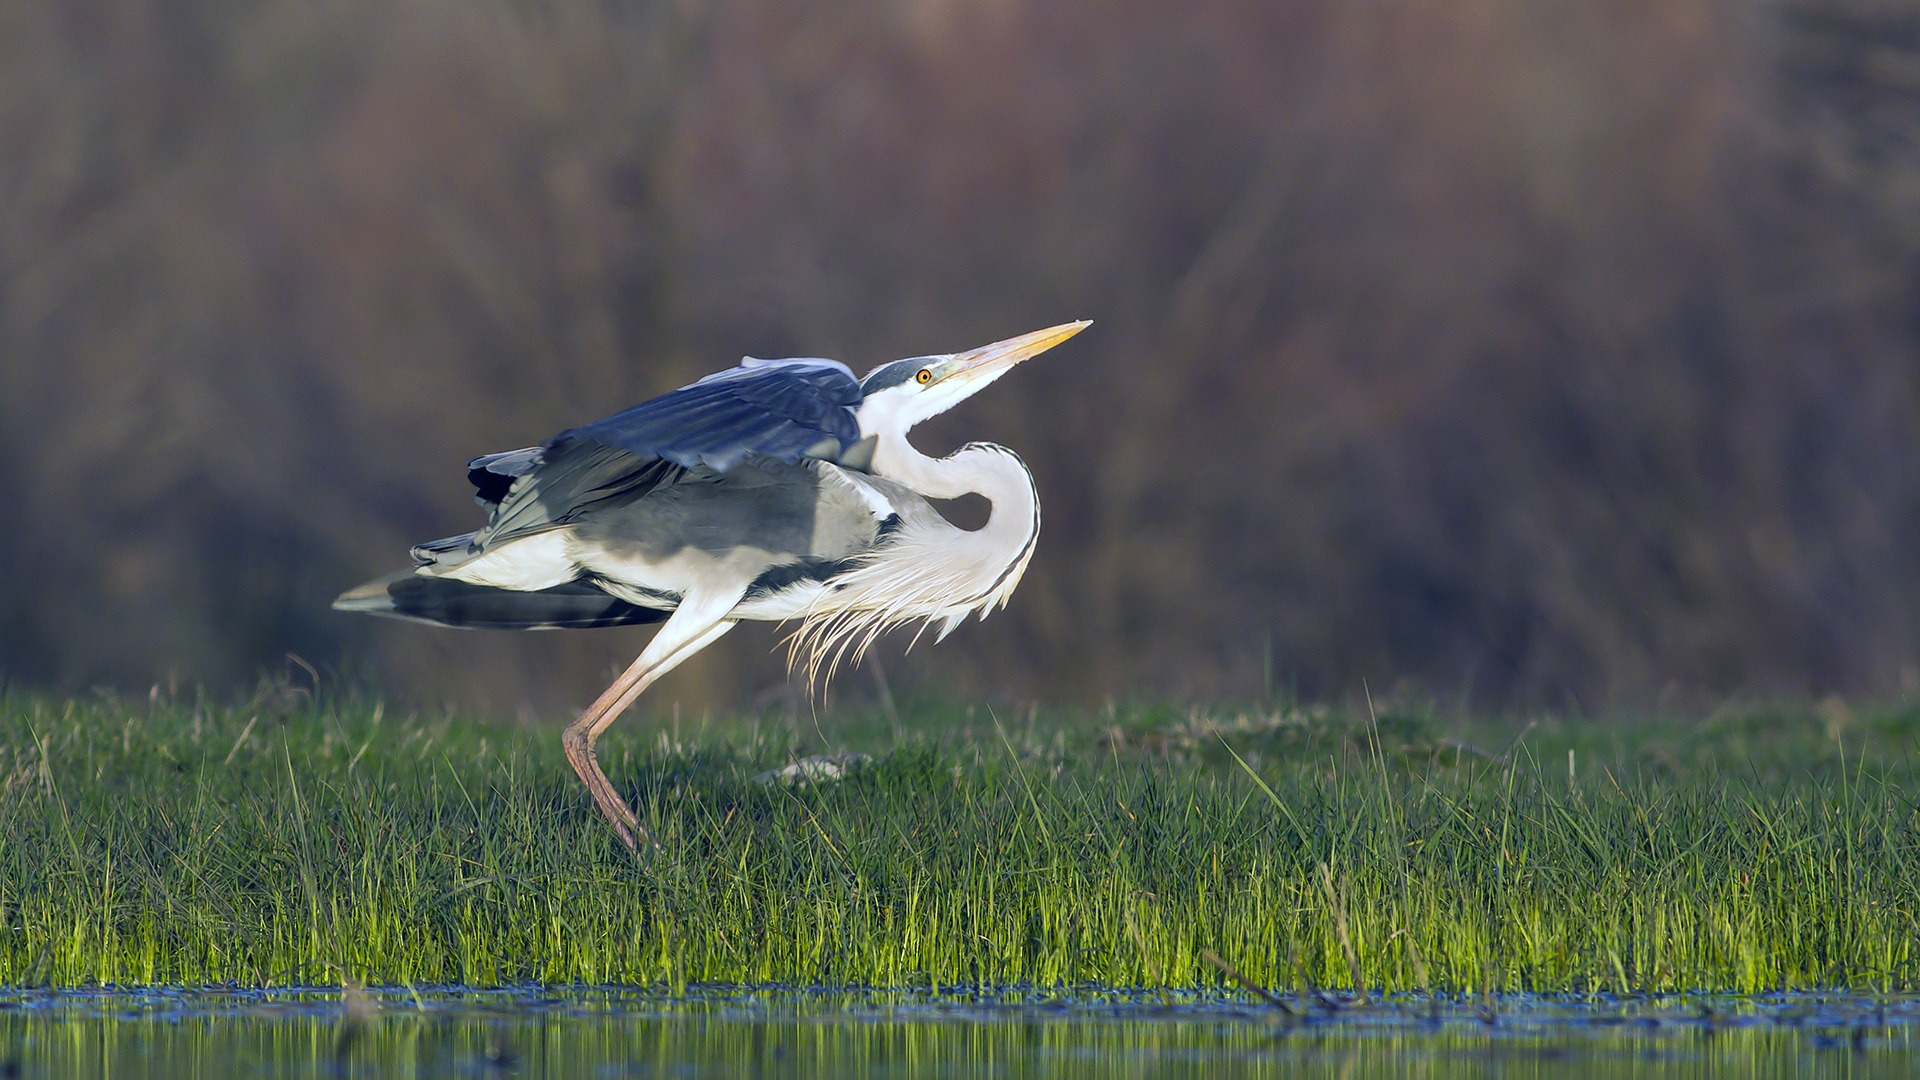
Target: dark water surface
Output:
{"points": [[728, 1032]]}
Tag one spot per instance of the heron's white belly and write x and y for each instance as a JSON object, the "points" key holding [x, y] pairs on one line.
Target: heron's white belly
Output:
{"points": [[639, 579], [539, 561], [543, 560]]}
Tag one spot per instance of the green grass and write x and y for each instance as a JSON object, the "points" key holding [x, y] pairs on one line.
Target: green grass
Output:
{"points": [[283, 841]]}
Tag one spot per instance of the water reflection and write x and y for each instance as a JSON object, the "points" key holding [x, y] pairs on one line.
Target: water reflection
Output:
{"points": [[729, 1033]]}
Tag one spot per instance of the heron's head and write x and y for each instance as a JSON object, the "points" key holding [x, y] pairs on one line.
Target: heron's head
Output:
{"points": [[905, 392]]}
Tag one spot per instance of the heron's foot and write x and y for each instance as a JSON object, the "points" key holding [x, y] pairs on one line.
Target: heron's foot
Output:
{"points": [[626, 832], [580, 754], [618, 814]]}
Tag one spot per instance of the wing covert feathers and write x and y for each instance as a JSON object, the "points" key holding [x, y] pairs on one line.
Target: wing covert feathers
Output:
{"points": [[784, 409]]}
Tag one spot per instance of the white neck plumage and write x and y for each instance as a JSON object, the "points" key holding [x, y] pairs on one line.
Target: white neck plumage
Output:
{"points": [[979, 468], [997, 552], [931, 570]]}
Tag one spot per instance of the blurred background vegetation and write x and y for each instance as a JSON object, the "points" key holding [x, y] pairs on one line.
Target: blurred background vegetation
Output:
{"points": [[1519, 352]]}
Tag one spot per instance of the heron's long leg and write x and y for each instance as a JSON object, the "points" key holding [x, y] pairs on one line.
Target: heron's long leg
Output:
{"points": [[682, 635]]}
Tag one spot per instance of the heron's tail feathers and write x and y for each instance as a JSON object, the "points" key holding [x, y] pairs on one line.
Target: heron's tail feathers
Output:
{"points": [[446, 602]]}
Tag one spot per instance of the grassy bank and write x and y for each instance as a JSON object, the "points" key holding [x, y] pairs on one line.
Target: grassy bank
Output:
{"points": [[287, 841]]}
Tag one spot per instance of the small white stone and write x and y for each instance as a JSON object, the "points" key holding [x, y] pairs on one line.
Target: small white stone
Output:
{"points": [[818, 769]]}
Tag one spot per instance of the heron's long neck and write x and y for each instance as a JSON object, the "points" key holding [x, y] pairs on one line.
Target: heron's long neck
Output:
{"points": [[993, 472]]}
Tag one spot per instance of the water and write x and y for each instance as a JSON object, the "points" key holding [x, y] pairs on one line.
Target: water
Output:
{"points": [[726, 1032]]}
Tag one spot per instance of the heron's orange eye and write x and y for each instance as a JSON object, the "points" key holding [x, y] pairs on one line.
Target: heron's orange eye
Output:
{"points": [[925, 376]]}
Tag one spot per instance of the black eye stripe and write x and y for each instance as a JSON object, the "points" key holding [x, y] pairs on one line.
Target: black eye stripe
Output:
{"points": [[887, 375], [895, 373]]}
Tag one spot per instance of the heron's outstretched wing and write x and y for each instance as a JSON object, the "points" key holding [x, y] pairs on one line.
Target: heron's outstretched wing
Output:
{"points": [[784, 409]]}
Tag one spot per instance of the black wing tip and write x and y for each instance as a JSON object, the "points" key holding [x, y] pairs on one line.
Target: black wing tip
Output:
{"points": [[493, 475]]}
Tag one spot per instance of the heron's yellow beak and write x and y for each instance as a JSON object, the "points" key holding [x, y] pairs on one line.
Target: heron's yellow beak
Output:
{"points": [[976, 368]]}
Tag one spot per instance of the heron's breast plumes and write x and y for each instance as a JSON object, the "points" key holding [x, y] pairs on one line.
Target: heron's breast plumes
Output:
{"points": [[928, 572]]}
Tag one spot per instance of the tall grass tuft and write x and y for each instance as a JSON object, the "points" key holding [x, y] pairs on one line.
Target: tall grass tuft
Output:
{"points": [[292, 842]]}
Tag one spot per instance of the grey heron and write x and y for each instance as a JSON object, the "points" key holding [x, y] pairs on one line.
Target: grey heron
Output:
{"points": [[775, 490]]}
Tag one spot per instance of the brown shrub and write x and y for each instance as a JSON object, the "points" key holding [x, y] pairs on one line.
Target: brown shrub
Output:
{"points": [[1537, 352]]}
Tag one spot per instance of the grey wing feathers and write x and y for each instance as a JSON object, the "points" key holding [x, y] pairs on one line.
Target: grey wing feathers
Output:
{"points": [[492, 475], [446, 551], [574, 477], [784, 409]]}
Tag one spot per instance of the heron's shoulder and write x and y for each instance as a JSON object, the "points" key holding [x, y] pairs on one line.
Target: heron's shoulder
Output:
{"points": [[893, 505], [852, 487]]}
